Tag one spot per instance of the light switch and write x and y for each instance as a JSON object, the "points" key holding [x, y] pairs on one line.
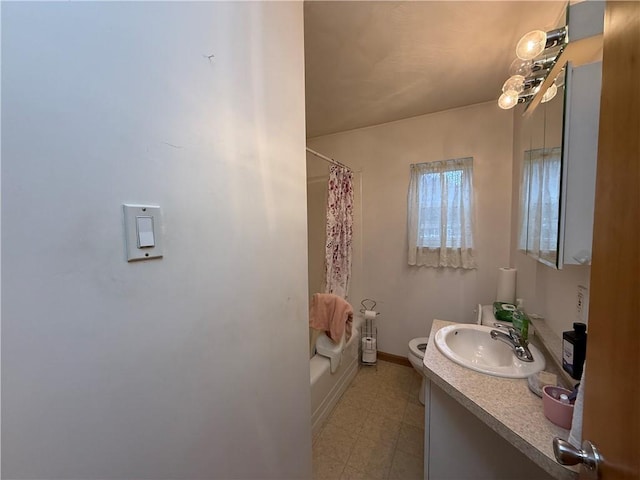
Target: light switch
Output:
{"points": [[143, 232]]}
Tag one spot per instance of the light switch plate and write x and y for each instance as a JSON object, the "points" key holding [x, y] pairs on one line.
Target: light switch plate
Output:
{"points": [[133, 238]]}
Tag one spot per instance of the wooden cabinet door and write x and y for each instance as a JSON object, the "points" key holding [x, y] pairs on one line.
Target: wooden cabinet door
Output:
{"points": [[612, 399]]}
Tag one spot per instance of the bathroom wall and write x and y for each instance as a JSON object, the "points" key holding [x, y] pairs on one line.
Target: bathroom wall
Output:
{"points": [[546, 291], [409, 298], [195, 365]]}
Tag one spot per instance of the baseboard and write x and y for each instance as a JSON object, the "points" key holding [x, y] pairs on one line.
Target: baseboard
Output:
{"points": [[391, 358]]}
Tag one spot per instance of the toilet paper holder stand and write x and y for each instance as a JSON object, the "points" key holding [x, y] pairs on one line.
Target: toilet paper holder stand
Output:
{"points": [[369, 334]]}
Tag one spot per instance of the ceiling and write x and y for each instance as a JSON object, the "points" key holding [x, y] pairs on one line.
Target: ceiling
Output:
{"points": [[372, 62]]}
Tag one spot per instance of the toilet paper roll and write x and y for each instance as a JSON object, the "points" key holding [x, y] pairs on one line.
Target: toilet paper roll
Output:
{"points": [[369, 357], [369, 352], [368, 344], [370, 314], [506, 285]]}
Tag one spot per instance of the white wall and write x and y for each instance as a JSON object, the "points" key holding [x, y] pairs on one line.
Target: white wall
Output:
{"points": [[409, 298], [195, 365]]}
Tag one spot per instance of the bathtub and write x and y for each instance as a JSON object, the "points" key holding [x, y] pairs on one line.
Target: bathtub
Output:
{"points": [[327, 387]]}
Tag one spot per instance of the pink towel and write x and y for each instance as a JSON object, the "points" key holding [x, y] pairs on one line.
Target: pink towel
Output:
{"points": [[332, 314]]}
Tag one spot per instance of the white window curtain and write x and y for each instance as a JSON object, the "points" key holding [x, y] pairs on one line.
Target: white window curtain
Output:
{"points": [[540, 203], [441, 215], [338, 249]]}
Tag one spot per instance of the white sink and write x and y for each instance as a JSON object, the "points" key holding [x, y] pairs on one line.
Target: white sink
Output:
{"points": [[471, 346]]}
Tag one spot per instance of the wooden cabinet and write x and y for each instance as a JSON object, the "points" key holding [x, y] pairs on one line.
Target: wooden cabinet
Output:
{"points": [[460, 446]]}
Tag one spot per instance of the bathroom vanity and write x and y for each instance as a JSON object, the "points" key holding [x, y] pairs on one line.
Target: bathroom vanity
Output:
{"points": [[481, 426]]}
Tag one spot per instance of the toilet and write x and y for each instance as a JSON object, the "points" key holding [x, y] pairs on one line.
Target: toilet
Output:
{"points": [[417, 346]]}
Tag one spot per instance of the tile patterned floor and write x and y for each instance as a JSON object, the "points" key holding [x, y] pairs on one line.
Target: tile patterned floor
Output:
{"points": [[376, 431]]}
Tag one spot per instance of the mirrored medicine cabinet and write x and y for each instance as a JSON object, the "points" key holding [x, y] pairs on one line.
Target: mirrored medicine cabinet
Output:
{"points": [[558, 155]]}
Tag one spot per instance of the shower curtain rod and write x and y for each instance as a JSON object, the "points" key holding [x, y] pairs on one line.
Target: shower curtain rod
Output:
{"points": [[330, 160]]}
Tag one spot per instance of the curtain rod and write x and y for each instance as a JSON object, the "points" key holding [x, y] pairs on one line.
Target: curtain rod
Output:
{"points": [[330, 160]]}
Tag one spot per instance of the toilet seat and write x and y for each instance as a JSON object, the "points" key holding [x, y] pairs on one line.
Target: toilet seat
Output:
{"points": [[417, 346]]}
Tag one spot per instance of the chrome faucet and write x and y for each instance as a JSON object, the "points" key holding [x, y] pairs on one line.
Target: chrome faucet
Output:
{"points": [[515, 341]]}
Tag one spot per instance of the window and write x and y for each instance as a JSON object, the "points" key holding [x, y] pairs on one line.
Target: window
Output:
{"points": [[540, 203], [441, 217]]}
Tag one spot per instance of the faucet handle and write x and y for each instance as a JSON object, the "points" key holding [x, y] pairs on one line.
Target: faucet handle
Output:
{"points": [[506, 327], [513, 332]]}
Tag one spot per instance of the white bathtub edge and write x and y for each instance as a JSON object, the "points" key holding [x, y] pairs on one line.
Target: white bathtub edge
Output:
{"points": [[322, 412], [327, 388]]}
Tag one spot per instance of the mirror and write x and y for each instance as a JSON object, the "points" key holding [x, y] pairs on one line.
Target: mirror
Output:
{"points": [[540, 181]]}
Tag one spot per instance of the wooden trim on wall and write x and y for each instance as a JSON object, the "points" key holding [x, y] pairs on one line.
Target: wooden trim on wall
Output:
{"points": [[397, 359]]}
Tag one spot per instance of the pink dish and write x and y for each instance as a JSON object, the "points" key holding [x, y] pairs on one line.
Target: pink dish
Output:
{"points": [[558, 412]]}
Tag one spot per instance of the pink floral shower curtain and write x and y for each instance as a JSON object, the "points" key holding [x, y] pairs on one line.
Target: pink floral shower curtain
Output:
{"points": [[339, 230]]}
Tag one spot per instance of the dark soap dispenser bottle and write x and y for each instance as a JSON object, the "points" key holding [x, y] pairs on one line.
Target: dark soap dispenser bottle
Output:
{"points": [[574, 349]]}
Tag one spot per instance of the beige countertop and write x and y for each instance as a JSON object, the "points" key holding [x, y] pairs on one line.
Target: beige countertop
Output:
{"points": [[506, 405]]}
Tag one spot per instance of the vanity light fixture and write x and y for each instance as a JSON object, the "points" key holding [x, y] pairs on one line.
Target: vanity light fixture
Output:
{"points": [[550, 93], [520, 67], [507, 100], [531, 45], [537, 52], [535, 42], [514, 83]]}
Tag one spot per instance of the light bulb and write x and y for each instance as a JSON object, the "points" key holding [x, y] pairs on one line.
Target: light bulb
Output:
{"points": [[560, 79], [520, 67], [550, 93], [508, 99], [531, 45], [514, 83]]}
